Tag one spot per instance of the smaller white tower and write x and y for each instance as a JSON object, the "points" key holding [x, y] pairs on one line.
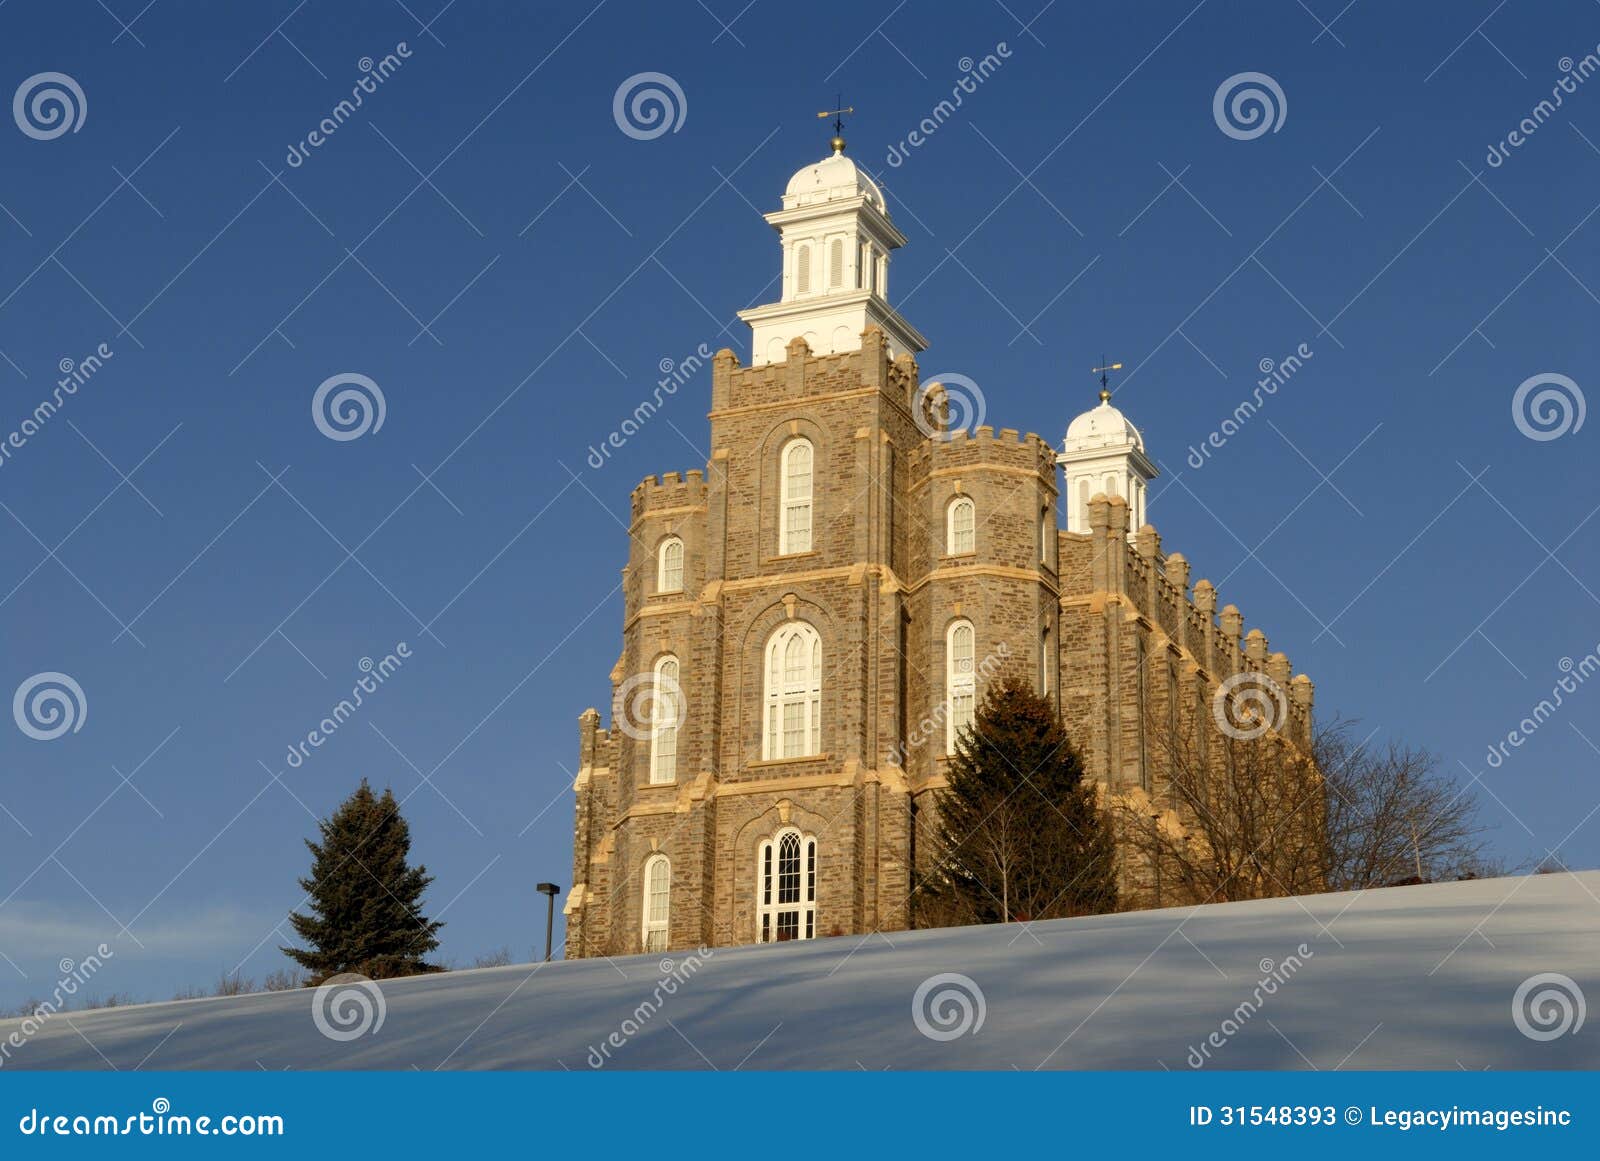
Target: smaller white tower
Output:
{"points": [[836, 237], [1103, 452]]}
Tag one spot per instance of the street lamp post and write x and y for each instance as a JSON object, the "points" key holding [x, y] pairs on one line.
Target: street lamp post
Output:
{"points": [[549, 891]]}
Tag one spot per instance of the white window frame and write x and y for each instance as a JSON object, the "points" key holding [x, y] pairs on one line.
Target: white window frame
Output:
{"points": [[793, 538], [666, 717], [960, 541], [800, 911], [961, 682], [669, 574], [655, 922], [791, 692], [802, 269]]}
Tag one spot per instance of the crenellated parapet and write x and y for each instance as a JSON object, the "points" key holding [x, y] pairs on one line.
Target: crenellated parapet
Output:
{"points": [[669, 492], [803, 375], [987, 448], [1155, 585]]}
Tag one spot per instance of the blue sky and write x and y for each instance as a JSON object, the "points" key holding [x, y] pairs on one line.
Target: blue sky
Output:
{"points": [[483, 242]]}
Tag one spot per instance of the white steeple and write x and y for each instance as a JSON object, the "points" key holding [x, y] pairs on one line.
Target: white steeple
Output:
{"points": [[836, 236], [1103, 452]]}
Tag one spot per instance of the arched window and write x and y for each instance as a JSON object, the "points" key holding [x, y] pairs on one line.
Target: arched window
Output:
{"points": [[793, 702], [657, 902], [794, 514], [1083, 505], [1140, 685], [1046, 534], [961, 527], [836, 264], [960, 681], [666, 715], [786, 891], [802, 269], [1046, 662], [669, 567]]}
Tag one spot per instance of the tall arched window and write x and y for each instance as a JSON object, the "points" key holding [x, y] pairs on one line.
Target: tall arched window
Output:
{"points": [[794, 514], [657, 902], [793, 702], [786, 890], [1083, 505], [960, 681], [666, 715], [1046, 535], [1140, 686], [802, 269], [669, 567], [1046, 662], [961, 527], [836, 264]]}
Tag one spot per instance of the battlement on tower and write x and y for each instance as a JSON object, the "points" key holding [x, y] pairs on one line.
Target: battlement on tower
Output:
{"points": [[803, 375], [1156, 586], [669, 491], [985, 447]]}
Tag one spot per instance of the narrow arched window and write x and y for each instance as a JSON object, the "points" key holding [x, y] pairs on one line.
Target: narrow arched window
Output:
{"points": [[960, 682], [666, 715], [1046, 663], [836, 264], [1083, 505], [786, 888], [961, 527], [794, 515], [657, 902], [802, 270], [1140, 686], [1046, 534], [669, 567], [793, 701]]}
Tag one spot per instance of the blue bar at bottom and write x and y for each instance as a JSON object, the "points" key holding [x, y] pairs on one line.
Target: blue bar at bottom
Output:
{"points": [[924, 1114]]}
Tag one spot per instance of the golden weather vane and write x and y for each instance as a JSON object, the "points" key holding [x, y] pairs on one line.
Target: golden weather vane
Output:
{"points": [[838, 122], [1105, 381]]}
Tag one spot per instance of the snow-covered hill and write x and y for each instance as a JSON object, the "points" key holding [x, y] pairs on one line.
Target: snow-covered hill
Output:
{"points": [[1413, 977]]}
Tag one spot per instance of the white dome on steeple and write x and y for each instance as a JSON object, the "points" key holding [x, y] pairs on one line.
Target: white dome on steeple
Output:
{"points": [[1104, 453], [830, 179], [836, 237], [1102, 426]]}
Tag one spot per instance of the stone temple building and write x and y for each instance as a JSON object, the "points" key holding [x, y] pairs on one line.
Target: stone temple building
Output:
{"points": [[810, 619]]}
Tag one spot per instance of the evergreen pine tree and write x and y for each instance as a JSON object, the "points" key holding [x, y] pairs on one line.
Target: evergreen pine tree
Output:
{"points": [[365, 899], [1021, 833]]}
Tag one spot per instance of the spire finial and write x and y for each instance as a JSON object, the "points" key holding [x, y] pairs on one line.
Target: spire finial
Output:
{"points": [[1104, 371], [838, 122]]}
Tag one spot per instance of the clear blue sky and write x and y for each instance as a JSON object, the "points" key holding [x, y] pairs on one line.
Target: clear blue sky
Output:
{"points": [[1382, 518]]}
